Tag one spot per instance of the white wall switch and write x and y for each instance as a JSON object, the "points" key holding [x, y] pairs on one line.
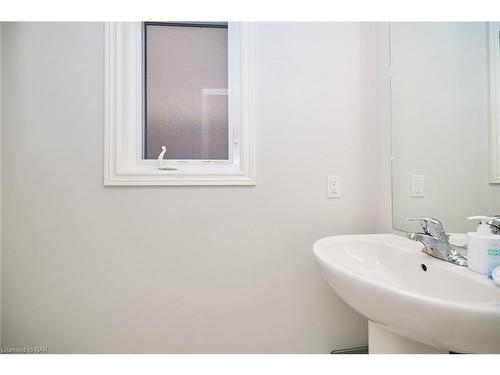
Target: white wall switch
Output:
{"points": [[417, 185], [333, 187]]}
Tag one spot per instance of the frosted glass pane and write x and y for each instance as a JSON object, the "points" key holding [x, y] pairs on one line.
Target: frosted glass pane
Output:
{"points": [[186, 92]]}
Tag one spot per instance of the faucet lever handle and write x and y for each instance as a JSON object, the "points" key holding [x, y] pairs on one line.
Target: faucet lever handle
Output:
{"points": [[431, 226]]}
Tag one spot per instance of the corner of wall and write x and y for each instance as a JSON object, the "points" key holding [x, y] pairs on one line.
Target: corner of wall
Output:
{"points": [[1, 24], [384, 133], [375, 121]]}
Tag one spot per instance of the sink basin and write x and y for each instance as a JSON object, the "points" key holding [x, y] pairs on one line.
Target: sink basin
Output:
{"points": [[387, 278]]}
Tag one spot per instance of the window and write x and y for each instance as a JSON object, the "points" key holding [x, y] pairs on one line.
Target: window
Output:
{"points": [[188, 87], [185, 74]]}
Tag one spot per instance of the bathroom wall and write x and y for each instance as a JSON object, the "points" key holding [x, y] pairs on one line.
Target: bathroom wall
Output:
{"points": [[440, 107], [0, 182], [89, 269]]}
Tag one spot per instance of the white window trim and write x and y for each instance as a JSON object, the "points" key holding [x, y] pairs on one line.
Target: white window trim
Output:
{"points": [[123, 123], [494, 50]]}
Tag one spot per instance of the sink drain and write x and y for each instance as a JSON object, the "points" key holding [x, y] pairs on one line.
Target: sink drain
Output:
{"points": [[424, 267]]}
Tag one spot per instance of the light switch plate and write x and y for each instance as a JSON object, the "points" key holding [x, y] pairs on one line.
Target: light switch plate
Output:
{"points": [[417, 185], [333, 187]]}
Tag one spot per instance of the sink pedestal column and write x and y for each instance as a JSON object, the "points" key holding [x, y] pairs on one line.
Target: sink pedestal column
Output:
{"points": [[383, 341]]}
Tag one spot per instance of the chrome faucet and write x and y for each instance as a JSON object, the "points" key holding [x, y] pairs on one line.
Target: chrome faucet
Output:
{"points": [[436, 242], [494, 223]]}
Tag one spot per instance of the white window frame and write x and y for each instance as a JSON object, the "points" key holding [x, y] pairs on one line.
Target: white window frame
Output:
{"points": [[123, 137], [494, 51]]}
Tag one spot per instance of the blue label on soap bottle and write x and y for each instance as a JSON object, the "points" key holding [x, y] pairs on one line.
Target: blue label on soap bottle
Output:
{"points": [[494, 260]]}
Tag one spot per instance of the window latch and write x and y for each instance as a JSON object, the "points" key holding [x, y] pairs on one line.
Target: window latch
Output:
{"points": [[160, 161], [160, 157]]}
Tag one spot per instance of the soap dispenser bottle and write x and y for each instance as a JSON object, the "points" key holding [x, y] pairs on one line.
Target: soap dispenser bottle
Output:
{"points": [[483, 247]]}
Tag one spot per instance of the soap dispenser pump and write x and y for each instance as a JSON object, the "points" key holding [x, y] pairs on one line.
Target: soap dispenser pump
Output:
{"points": [[483, 247], [482, 227]]}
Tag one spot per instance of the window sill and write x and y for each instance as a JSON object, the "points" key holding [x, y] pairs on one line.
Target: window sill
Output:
{"points": [[182, 176]]}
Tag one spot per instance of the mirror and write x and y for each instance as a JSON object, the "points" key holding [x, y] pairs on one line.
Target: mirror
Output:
{"points": [[445, 136]]}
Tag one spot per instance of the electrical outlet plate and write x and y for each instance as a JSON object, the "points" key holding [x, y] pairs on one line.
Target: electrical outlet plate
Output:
{"points": [[417, 185], [333, 187]]}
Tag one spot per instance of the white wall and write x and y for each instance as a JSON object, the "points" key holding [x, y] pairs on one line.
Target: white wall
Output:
{"points": [[181, 269], [1, 23], [440, 122]]}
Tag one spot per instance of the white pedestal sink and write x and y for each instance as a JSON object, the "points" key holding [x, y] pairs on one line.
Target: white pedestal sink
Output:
{"points": [[414, 303]]}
